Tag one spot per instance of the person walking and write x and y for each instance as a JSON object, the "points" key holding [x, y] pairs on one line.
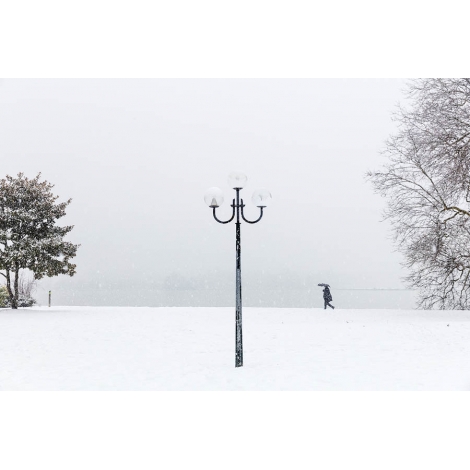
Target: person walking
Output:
{"points": [[327, 295]]}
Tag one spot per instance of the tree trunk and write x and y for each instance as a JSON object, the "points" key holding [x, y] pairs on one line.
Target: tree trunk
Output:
{"points": [[10, 292], [15, 305]]}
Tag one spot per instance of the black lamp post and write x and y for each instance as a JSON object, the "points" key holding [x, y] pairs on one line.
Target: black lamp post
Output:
{"points": [[214, 198]]}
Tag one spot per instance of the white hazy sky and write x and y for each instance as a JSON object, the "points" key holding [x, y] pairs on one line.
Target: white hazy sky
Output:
{"points": [[136, 156]]}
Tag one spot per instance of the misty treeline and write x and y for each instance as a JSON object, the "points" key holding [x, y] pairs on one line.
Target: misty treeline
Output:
{"points": [[30, 240], [426, 181]]}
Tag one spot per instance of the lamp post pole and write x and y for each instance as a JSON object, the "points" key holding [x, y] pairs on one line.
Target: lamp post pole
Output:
{"points": [[214, 198], [238, 289]]}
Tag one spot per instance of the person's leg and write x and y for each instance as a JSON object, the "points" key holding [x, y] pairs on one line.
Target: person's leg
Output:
{"points": [[326, 303], [329, 305]]}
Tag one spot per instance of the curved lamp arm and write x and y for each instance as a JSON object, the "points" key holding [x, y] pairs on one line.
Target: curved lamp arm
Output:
{"points": [[252, 221], [221, 221]]}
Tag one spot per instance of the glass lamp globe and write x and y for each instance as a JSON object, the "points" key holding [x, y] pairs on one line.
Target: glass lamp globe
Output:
{"points": [[261, 197], [237, 180], [214, 197]]}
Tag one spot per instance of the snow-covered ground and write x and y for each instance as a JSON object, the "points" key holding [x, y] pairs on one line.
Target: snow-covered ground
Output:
{"points": [[124, 348]]}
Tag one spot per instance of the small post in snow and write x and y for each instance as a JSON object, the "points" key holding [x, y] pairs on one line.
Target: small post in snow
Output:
{"points": [[49, 298]]}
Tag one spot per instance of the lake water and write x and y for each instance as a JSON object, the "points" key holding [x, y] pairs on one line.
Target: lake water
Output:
{"points": [[252, 297]]}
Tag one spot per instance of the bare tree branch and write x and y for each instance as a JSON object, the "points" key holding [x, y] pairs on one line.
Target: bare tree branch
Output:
{"points": [[426, 181]]}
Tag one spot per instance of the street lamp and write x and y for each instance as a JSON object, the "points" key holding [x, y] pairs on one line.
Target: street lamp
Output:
{"points": [[215, 198]]}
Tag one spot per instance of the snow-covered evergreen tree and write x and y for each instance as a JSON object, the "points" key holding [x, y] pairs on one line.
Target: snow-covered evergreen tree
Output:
{"points": [[29, 236], [4, 297], [25, 298]]}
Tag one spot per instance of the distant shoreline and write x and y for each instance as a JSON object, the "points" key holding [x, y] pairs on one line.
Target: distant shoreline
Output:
{"points": [[378, 289]]}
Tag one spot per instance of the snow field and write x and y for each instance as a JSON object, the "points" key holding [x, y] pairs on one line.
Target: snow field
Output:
{"points": [[125, 348]]}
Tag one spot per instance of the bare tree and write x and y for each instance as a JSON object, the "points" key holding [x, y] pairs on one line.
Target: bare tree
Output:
{"points": [[26, 287], [427, 184]]}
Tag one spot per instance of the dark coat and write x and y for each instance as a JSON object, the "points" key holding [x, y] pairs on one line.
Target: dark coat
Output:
{"points": [[327, 294]]}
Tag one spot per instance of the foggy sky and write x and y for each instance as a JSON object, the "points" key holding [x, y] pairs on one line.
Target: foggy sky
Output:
{"points": [[136, 157]]}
